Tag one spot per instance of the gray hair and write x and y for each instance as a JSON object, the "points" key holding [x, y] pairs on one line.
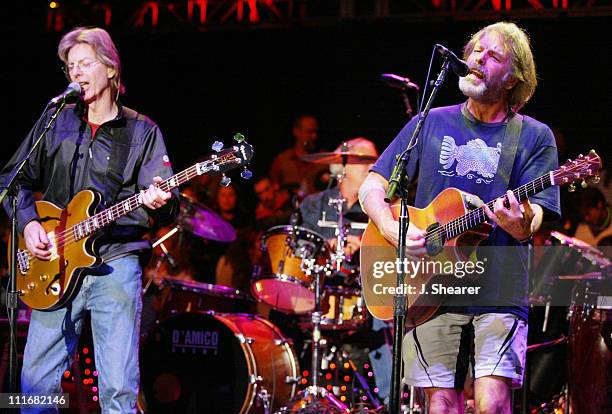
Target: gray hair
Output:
{"points": [[516, 41]]}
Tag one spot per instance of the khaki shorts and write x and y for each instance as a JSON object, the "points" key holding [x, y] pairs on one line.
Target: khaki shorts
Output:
{"points": [[440, 352]]}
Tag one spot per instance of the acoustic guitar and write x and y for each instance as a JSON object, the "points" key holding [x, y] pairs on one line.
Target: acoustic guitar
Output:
{"points": [[455, 224], [50, 284]]}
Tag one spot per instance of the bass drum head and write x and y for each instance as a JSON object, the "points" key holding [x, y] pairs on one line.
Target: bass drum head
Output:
{"points": [[193, 363]]}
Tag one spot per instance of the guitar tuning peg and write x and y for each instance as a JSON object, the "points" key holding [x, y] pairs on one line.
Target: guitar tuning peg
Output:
{"points": [[238, 137], [246, 173], [584, 184], [217, 146], [595, 179], [225, 180], [571, 188]]}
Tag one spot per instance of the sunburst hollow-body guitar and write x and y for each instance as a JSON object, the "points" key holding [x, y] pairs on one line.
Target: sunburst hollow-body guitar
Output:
{"points": [[50, 284]]}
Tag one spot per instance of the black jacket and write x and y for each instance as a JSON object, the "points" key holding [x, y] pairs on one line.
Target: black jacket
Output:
{"points": [[70, 160]]}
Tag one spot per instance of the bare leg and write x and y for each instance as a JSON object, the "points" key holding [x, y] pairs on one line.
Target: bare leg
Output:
{"points": [[492, 395], [444, 400]]}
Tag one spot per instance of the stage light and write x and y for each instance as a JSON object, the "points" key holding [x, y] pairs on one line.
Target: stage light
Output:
{"points": [[53, 5], [346, 378], [66, 374], [87, 371], [88, 360]]}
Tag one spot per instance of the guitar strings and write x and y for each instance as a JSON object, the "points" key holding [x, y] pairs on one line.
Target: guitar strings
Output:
{"points": [[478, 215], [62, 240], [69, 235]]}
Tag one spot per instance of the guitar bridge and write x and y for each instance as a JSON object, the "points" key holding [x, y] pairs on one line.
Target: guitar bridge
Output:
{"points": [[23, 261]]}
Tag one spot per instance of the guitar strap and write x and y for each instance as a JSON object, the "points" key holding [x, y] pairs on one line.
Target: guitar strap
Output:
{"points": [[120, 149], [507, 156]]}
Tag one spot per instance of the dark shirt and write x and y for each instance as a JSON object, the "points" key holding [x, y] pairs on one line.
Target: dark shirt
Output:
{"points": [[315, 205], [456, 150], [70, 159]]}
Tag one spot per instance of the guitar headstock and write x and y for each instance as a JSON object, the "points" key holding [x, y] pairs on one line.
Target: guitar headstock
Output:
{"points": [[226, 159], [581, 169]]}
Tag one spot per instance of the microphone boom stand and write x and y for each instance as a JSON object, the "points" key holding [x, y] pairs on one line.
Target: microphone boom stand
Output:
{"points": [[398, 182], [11, 189]]}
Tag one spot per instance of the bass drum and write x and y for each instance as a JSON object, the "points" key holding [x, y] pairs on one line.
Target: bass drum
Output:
{"points": [[216, 363]]}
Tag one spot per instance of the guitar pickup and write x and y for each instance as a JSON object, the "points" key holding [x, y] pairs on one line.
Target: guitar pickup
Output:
{"points": [[23, 261]]}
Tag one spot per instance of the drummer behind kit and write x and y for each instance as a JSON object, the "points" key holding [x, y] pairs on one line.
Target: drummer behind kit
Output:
{"points": [[291, 280]]}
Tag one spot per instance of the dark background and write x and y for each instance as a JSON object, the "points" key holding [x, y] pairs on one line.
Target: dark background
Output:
{"points": [[202, 86]]}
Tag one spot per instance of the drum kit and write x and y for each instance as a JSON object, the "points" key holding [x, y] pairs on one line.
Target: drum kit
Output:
{"points": [[589, 332], [202, 356]]}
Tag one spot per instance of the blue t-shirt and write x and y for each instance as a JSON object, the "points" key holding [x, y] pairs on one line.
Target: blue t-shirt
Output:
{"points": [[457, 150]]}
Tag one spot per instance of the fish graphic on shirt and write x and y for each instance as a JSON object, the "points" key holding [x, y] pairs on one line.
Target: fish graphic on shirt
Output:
{"points": [[475, 156]]}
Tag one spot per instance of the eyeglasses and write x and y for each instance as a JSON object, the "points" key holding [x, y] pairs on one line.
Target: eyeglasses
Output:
{"points": [[83, 65]]}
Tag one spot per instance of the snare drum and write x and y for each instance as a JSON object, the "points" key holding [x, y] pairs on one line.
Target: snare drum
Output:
{"points": [[280, 281], [216, 363]]}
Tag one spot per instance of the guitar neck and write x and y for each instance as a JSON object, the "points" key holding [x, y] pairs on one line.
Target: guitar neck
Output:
{"points": [[111, 214], [477, 216]]}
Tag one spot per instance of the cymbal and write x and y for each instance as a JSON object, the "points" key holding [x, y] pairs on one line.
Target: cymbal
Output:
{"points": [[204, 222], [339, 158], [587, 251]]}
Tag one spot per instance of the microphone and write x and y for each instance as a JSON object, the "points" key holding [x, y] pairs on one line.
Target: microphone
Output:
{"points": [[399, 82], [73, 90], [459, 66]]}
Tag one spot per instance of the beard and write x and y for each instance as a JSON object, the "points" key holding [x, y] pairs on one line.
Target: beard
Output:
{"points": [[486, 91]]}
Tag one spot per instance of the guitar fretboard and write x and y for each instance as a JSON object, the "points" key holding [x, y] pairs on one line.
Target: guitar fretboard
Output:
{"points": [[477, 216], [111, 214]]}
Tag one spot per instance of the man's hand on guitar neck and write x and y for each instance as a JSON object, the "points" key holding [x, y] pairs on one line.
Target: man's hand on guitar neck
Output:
{"points": [[36, 240], [154, 197], [520, 220]]}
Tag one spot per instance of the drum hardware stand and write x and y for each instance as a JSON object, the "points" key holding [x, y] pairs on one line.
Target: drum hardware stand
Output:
{"points": [[341, 231], [314, 395], [165, 255]]}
